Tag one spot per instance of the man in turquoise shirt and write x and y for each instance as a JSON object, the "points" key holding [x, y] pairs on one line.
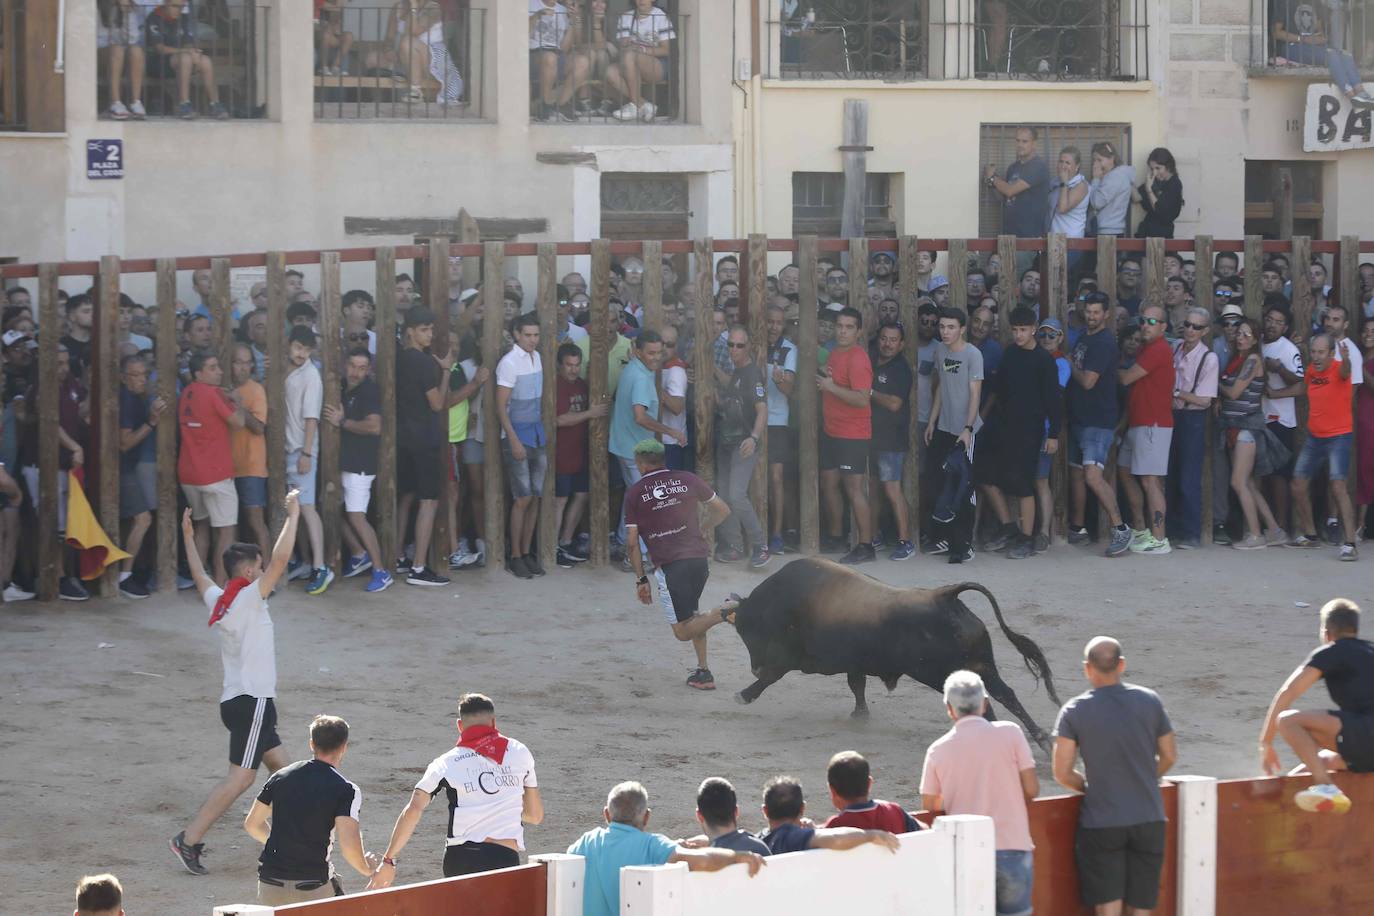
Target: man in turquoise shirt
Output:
{"points": [[635, 415], [624, 841]]}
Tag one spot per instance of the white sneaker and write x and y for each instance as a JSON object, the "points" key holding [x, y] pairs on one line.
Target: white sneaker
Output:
{"points": [[478, 555], [1251, 542], [629, 112], [119, 112], [647, 111], [15, 593], [1324, 799], [138, 111]]}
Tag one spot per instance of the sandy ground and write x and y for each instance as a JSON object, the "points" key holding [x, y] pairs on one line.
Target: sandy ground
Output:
{"points": [[102, 762]]}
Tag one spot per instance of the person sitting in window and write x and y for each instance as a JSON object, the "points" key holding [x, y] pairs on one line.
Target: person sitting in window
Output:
{"points": [[123, 32], [414, 45], [592, 46], [1300, 38], [169, 37], [556, 72], [331, 37], [644, 34]]}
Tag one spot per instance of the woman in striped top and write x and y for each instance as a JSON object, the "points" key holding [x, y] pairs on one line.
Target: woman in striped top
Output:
{"points": [[1248, 439]]}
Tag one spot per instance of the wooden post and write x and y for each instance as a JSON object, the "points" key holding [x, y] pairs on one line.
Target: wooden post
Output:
{"points": [[546, 305], [1348, 268], [385, 372], [329, 502], [758, 336], [1202, 294], [1254, 263], [958, 271], [493, 292], [653, 286], [1202, 257], [104, 393], [50, 550], [598, 392], [1154, 273], [1283, 201], [858, 288], [168, 524], [704, 402], [907, 295], [436, 297], [808, 399], [1011, 292], [469, 234], [221, 313], [854, 156], [1106, 270], [276, 389], [1057, 274], [1302, 297]]}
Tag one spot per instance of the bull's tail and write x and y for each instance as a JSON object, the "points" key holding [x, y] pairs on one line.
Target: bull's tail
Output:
{"points": [[1036, 662]]}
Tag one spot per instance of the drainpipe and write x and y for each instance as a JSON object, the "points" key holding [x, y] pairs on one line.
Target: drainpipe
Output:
{"points": [[756, 116], [59, 65]]}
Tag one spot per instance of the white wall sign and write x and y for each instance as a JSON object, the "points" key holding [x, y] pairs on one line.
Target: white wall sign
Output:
{"points": [[1331, 123]]}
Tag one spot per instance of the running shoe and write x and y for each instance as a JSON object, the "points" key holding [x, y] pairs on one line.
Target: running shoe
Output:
{"points": [[1078, 536], [938, 547], [533, 565], [564, 559], [138, 111], [1276, 537], [965, 557], [579, 551], [320, 581], [71, 589], [403, 564], [118, 112], [130, 588], [424, 576], [1140, 537], [860, 553], [298, 569], [1323, 799], [517, 568], [218, 111], [628, 112], [185, 582], [1041, 542], [701, 679], [455, 559], [1304, 542], [15, 593], [1221, 537], [904, 550], [1121, 541], [878, 542], [186, 111], [1187, 543], [381, 581], [776, 545], [1020, 548], [188, 854], [728, 555], [355, 565], [759, 558], [1332, 532], [1349, 553], [1000, 537], [1155, 547], [1250, 542]]}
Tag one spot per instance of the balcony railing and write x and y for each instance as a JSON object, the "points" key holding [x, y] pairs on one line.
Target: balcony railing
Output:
{"points": [[369, 64], [1002, 39], [11, 64], [1345, 27], [220, 46]]}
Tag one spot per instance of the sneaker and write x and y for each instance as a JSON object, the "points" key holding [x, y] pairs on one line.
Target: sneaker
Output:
{"points": [[478, 557], [1140, 537], [649, 109], [533, 565], [218, 111], [728, 555], [1020, 548], [1120, 543], [579, 551], [833, 544], [138, 111], [15, 593], [1304, 542], [628, 112], [1349, 553], [355, 565], [1000, 538], [1323, 799], [942, 517], [1362, 99], [458, 559], [403, 564], [381, 581], [965, 557], [118, 111], [861, 553], [1276, 537], [878, 542], [563, 559], [1221, 536], [186, 111], [1250, 542], [297, 569], [759, 558], [1078, 536], [1332, 532], [625, 565], [517, 568], [1187, 543], [776, 545], [904, 550], [540, 112], [1155, 547], [183, 583], [424, 576], [1041, 542], [320, 581], [938, 547], [130, 588], [701, 679], [567, 114], [71, 589], [188, 854]]}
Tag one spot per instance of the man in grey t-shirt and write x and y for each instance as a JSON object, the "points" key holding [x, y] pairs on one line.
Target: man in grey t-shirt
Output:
{"points": [[953, 422], [1127, 743]]}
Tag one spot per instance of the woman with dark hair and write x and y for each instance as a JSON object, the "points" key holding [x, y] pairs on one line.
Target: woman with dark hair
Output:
{"points": [[1255, 450], [1161, 197]]}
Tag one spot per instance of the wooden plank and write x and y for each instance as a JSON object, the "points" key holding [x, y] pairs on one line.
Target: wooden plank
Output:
{"points": [[221, 314], [757, 262], [430, 227], [470, 233], [653, 286], [704, 404], [1253, 263], [1011, 291], [1283, 201], [50, 551], [855, 163], [907, 295], [598, 392], [1057, 277], [808, 400], [518, 891], [436, 297], [329, 503], [546, 304], [1202, 294], [1302, 323], [385, 372], [858, 288], [276, 388], [493, 292], [104, 415], [1106, 270], [168, 523], [958, 269], [1154, 273], [1348, 274]]}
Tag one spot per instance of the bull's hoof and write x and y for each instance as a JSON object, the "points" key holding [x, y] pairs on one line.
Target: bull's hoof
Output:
{"points": [[742, 700], [860, 712]]}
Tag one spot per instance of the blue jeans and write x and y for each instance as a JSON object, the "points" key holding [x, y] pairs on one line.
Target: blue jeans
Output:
{"points": [[629, 472], [1344, 73], [1185, 473], [1015, 879], [1331, 453]]}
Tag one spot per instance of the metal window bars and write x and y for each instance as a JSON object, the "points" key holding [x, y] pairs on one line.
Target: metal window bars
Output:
{"points": [[1348, 25]]}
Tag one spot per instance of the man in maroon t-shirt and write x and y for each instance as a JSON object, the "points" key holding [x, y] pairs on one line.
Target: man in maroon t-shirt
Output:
{"points": [[570, 455], [662, 508], [850, 787], [1149, 427]]}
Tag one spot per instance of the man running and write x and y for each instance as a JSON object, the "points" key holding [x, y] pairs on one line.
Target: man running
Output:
{"points": [[661, 507], [239, 613], [1326, 740]]}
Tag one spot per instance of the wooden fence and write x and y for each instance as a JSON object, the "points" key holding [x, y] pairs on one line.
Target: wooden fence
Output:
{"points": [[754, 254]]}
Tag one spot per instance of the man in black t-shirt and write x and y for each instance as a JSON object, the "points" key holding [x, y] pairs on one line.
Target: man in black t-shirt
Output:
{"points": [[359, 418], [421, 403], [1326, 740], [741, 420], [77, 340], [891, 400], [309, 803]]}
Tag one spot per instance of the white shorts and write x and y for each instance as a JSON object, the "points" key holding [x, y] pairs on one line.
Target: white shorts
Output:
{"points": [[1145, 450], [357, 491], [218, 501]]}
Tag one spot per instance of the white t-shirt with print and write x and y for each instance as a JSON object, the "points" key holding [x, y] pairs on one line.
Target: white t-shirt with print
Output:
{"points": [[484, 798], [247, 645], [1284, 410], [648, 30], [551, 27], [675, 383]]}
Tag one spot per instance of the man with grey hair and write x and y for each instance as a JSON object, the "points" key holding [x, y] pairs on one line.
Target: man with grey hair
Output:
{"points": [[983, 767], [625, 842], [1127, 743], [1195, 387]]}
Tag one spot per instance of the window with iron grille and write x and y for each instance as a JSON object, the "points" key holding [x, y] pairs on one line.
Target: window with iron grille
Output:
{"points": [[818, 204], [997, 146], [1292, 36]]}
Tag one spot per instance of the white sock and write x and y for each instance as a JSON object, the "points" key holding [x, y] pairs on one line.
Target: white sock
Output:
{"points": [[125, 575], [416, 568]]}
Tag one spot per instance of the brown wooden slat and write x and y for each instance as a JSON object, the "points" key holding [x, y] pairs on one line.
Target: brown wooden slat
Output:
{"points": [[906, 288], [858, 286], [757, 262], [1106, 269], [1154, 273], [1202, 294], [493, 292], [104, 439], [958, 269], [547, 306], [276, 389], [436, 297], [704, 404], [1057, 277], [520, 891], [1011, 289], [221, 314], [808, 399], [598, 392], [653, 286], [385, 372], [168, 523], [1253, 262], [1348, 274], [50, 551], [329, 502]]}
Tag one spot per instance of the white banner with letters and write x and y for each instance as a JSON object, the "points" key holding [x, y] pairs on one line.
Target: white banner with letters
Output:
{"points": [[1331, 123]]}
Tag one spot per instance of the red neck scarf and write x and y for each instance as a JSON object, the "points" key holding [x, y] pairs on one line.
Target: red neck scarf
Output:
{"points": [[485, 740], [231, 591]]}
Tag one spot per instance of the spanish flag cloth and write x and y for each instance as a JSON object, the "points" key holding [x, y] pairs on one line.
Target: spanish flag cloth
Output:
{"points": [[84, 534]]}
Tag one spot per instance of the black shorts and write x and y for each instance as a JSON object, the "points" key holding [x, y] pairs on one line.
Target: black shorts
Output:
{"points": [[1015, 458], [252, 724], [417, 471], [686, 580], [565, 485], [1356, 741], [1120, 863], [848, 456], [1289, 437], [471, 858], [782, 448]]}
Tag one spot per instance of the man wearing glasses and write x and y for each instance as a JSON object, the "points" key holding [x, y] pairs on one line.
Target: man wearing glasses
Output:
{"points": [[1150, 428], [1093, 413], [1128, 285], [741, 421], [1195, 386]]}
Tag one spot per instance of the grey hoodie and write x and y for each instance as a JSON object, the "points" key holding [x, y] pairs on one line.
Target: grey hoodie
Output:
{"points": [[1111, 200]]}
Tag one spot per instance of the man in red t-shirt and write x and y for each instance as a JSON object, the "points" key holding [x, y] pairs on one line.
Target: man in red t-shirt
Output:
{"points": [[846, 385], [1330, 428], [1149, 428], [850, 787], [570, 456], [205, 467], [662, 508]]}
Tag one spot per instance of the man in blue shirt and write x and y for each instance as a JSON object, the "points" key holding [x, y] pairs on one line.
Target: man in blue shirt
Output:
{"points": [[635, 415], [624, 842], [1025, 190]]}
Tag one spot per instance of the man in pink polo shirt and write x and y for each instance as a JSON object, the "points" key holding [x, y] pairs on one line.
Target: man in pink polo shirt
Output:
{"points": [[982, 767]]}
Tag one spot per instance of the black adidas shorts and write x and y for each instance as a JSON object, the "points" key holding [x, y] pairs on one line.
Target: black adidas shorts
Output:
{"points": [[252, 724]]}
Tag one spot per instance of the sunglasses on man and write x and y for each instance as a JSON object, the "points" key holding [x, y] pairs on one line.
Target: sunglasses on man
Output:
{"points": [[1194, 327], [1152, 321]]}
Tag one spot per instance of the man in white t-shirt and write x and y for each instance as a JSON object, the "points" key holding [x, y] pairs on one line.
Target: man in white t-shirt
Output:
{"points": [[492, 793], [1283, 382], [672, 399], [238, 613]]}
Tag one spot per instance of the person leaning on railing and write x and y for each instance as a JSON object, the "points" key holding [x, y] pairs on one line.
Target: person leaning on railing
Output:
{"points": [[169, 36]]}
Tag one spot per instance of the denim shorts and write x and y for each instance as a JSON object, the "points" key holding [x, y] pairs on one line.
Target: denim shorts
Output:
{"points": [[1015, 879], [526, 478], [305, 483], [889, 465], [1089, 445], [1044, 462], [1331, 452], [252, 491]]}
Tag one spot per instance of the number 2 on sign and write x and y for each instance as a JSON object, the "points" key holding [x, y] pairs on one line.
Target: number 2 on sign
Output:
{"points": [[112, 155]]}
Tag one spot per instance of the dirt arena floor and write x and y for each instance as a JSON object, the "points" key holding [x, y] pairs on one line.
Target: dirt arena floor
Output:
{"points": [[112, 733]]}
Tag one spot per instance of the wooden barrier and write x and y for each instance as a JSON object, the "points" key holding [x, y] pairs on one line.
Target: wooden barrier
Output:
{"points": [[493, 296], [519, 891], [704, 401], [653, 286], [1010, 288], [598, 392], [1106, 269], [102, 477], [386, 381], [808, 400], [436, 297], [911, 467], [546, 306], [329, 501], [50, 552], [276, 389], [168, 522], [757, 262], [958, 268]]}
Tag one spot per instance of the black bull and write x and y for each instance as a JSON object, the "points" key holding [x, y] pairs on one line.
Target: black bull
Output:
{"points": [[819, 617]]}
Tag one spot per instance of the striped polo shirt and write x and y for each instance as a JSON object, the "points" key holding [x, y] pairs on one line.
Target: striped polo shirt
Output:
{"points": [[523, 373]]}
